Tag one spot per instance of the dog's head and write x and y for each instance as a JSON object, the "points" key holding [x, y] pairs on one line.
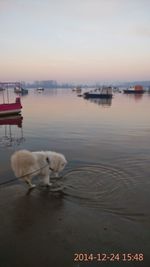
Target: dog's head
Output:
{"points": [[57, 161]]}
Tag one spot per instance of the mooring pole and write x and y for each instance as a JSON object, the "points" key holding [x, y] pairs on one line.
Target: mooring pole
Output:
{"points": [[7, 94]]}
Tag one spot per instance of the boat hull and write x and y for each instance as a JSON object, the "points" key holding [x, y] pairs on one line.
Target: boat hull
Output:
{"points": [[10, 108], [104, 96], [133, 91], [10, 112]]}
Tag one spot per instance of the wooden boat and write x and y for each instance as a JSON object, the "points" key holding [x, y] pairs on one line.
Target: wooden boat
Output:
{"points": [[137, 89], [105, 92], [11, 108]]}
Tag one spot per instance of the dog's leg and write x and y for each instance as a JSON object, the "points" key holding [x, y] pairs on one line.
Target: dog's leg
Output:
{"points": [[28, 181], [57, 175], [46, 180]]}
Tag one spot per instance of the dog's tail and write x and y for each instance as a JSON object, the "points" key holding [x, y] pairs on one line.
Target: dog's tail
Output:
{"points": [[22, 162]]}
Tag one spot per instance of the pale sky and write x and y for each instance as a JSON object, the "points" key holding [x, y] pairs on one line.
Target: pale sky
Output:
{"points": [[74, 40]]}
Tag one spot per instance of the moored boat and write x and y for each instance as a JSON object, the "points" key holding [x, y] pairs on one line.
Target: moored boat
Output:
{"points": [[17, 89], [78, 89], [7, 108], [20, 90], [40, 89], [11, 108], [105, 92], [137, 89]]}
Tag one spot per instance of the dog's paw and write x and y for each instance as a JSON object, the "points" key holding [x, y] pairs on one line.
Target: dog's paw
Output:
{"points": [[30, 189], [32, 186], [48, 184]]}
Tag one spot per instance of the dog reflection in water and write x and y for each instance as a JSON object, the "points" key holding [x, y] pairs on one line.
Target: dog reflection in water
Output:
{"points": [[27, 164]]}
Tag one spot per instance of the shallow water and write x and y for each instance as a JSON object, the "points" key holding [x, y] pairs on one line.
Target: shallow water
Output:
{"points": [[114, 135], [106, 143]]}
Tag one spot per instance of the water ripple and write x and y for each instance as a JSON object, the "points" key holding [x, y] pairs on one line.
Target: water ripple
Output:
{"points": [[106, 188], [96, 185]]}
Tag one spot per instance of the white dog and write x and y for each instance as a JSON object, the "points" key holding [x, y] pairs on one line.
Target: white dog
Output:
{"points": [[26, 164]]}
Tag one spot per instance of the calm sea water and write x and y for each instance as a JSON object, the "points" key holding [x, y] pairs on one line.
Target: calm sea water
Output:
{"points": [[106, 143]]}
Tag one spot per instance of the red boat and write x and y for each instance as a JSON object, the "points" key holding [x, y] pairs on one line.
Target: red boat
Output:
{"points": [[11, 108], [137, 89]]}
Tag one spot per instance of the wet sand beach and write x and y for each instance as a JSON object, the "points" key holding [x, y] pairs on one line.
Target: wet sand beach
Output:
{"points": [[44, 229]]}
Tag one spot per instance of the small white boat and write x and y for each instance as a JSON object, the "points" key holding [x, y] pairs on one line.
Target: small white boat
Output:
{"points": [[17, 89], [77, 89]]}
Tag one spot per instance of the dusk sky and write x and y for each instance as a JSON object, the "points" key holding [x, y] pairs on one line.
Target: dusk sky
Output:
{"points": [[75, 40]]}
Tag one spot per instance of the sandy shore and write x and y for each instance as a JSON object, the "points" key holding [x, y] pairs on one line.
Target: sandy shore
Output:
{"points": [[46, 229]]}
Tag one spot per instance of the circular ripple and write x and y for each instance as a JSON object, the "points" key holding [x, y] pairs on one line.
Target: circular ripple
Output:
{"points": [[97, 185]]}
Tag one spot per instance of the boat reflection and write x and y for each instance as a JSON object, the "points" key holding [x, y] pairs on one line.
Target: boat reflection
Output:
{"points": [[136, 97], [11, 135], [105, 102]]}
